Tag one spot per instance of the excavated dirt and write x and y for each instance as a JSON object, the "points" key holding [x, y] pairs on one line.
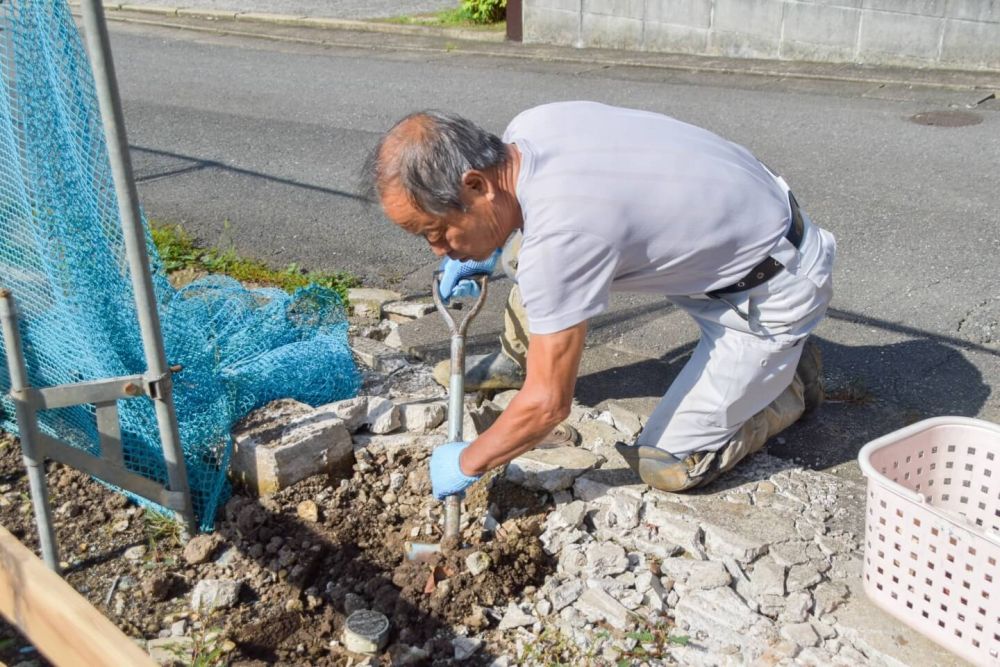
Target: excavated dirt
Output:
{"points": [[306, 557]]}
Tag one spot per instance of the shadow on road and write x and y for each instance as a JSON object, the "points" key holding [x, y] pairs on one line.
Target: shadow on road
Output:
{"points": [[872, 390], [198, 164]]}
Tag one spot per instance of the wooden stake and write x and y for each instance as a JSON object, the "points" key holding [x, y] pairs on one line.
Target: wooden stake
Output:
{"points": [[60, 622]]}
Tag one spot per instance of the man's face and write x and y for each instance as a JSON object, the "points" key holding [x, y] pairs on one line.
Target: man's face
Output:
{"points": [[470, 234]]}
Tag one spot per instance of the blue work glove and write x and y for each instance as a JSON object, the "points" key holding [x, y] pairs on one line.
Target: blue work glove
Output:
{"points": [[455, 274], [447, 478]]}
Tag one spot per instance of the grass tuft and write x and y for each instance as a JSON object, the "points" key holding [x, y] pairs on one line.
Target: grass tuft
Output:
{"points": [[179, 251], [459, 17]]}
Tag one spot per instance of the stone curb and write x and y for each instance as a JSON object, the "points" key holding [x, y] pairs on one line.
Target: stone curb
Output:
{"points": [[494, 43], [302, 21]]}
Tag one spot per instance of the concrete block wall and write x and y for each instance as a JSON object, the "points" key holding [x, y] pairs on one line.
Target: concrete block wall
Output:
{"points": [[962, 34]]}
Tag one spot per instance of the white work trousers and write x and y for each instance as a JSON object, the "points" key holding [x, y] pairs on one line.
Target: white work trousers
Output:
{"points": [[750, 344]]}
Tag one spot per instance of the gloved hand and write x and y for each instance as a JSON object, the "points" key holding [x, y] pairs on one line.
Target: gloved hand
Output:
{"points": [[454, 279], [447, 478]]}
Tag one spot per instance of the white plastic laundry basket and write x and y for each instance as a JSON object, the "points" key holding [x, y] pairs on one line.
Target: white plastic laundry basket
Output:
{"points": [[932, 532]]}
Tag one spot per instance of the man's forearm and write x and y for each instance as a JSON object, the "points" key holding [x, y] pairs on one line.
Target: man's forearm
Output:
{"points": [[542, 403], [521, 426]]}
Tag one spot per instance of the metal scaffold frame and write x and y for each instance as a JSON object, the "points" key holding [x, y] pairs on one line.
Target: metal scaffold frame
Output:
{"points": [[155, 384]]}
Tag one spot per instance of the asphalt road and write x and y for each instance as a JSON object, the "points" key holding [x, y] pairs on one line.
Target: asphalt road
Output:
{"points": [[258, 144]]}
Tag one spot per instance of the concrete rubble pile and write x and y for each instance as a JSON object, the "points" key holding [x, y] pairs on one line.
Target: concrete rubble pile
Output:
{"points": [[762, 568]]}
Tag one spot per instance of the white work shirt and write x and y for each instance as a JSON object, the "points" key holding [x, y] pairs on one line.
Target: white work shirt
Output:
{"points": [[634, 201]]}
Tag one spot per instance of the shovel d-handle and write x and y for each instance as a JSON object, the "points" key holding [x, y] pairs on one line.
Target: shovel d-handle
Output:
{"points": [[456, 383]]}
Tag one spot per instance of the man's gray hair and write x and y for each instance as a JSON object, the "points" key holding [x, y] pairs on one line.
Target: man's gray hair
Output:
{"points": [[430, 167]]}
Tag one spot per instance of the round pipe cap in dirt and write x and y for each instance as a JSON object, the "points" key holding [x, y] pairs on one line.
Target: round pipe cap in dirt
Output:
{"points": [[366, 631]]}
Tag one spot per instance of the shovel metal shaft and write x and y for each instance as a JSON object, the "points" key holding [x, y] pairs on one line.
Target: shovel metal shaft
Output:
{"points": [[456, 390], [456, 410]]}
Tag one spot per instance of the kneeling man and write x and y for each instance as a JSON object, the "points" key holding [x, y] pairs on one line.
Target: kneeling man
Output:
{"points": [[587, 199]]}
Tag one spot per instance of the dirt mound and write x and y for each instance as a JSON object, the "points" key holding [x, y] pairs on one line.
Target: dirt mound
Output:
{"points": [[306, 558]]}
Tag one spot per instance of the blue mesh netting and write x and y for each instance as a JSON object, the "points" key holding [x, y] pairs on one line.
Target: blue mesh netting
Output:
{"points": [[62, 254]]}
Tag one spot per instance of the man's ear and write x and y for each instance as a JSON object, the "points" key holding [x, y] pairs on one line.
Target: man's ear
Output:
{"points": [[475, 184]]}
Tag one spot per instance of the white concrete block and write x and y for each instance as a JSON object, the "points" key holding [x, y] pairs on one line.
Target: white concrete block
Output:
{"points": [[971, 44], [820, 25], [615, 32], [633, 9], [888, 37], [687, 13], [551, 26], [934, 8], [760, 18], [550, 469], [975, 10], [273, 455], [675, 38]]}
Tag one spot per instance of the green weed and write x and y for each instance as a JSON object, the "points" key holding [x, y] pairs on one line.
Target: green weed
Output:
{"points": [[458, 17], [208, 649], [162, 529], [179, 251]]}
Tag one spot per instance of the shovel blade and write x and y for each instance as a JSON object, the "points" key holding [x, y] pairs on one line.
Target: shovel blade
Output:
{"points": [[420, 551]]}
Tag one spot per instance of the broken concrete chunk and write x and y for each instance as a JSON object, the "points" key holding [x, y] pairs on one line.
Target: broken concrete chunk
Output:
{"points": [[200, 548], [829, 596], [624, 420], [618, 513], [351, 411], [308, 510], [570, 515], [802, 577], [212, 594], [479, 418], [836, 544], [421, 417], [724, 619], [382, 415], [169, 650], [367, 303], [514, 617], [410, 310], [465, 647], [692, 575], [721, 542], [550, 469], [595, 433], [800, 633], [597, 605], [378, 356], [767, 578], [503, 399], [572, 560], [605, 559], [672, 525], [565, 594], [267, 460], [789, 553], [607, 482], [554, 540], [797, 606], [477, 562]]}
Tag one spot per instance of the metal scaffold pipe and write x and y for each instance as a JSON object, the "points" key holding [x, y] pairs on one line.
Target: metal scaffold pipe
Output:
{"points": [[34, 460], [99, 50]]}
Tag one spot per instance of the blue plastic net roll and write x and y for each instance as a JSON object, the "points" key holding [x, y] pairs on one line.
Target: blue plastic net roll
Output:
{"points": [[62, 254]]}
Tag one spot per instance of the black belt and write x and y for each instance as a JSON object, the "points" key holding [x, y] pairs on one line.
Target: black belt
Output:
{"points": [[770, 267]]}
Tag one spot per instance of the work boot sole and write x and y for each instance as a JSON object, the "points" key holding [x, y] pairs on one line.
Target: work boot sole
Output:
{"points": [[657, 468], [484, 372]]}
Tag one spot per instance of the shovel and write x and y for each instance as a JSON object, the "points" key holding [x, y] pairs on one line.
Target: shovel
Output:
{"points": [[456, 407]]}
